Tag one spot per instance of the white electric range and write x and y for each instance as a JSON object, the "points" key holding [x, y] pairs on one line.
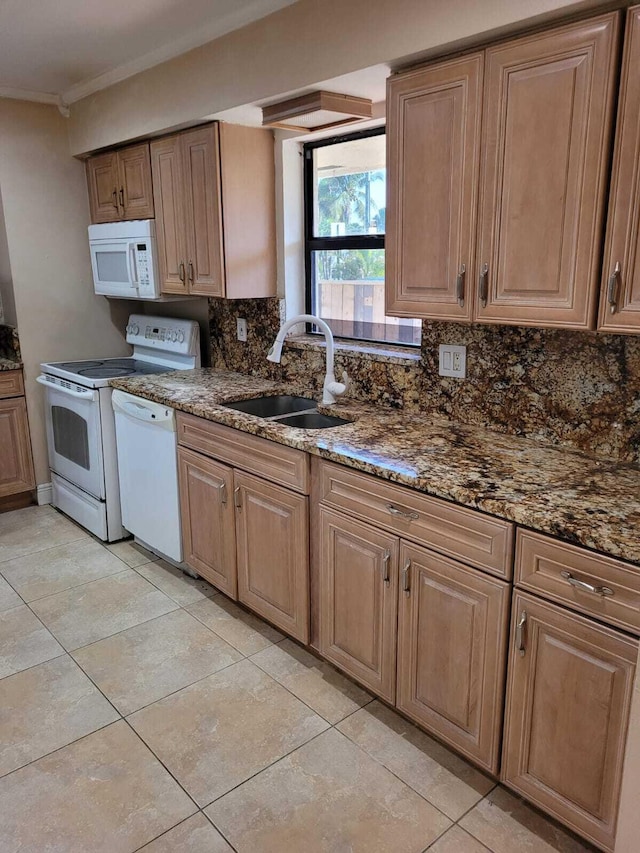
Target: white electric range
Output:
{"points": [[80, 420]]}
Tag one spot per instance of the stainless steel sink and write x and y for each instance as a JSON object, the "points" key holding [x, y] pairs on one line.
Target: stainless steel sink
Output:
{"points": [[312, 420], [273, 407], [287, 409]]}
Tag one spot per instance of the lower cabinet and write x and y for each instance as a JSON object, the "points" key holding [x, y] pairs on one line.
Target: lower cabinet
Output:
{"points": [[447, 622], [272, 534], [208, 528], [358, 590], [16, 464], [452, 630], [248, 537], [568, 698]]}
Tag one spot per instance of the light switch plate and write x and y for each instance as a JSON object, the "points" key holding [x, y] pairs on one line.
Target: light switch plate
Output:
{"points": [[453, 361], [241, 329]]}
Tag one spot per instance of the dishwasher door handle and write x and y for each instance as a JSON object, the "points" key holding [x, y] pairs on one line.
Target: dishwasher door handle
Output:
{"points": [[146, 411]]}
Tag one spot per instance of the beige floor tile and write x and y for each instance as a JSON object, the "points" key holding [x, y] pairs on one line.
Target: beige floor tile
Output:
{"points": [[242, 630], [182, 588], [46, 707], [456, 840], [84, 614], [504, 824], [8, 597], [59, 568], [24, 641], [35, 528], [105, 793], [224, 729], [147, 662], [131, 553], [317, 683], [442, 777], [327, 796], [194, 835]]}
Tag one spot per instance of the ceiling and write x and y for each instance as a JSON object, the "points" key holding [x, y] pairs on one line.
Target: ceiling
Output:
{"points": [[66, 49]]}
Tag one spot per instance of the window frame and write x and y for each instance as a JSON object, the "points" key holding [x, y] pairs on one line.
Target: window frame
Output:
{"points": [[355, 241]]}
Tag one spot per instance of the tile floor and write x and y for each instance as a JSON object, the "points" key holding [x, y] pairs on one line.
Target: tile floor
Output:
{"points": [[141, 710]]}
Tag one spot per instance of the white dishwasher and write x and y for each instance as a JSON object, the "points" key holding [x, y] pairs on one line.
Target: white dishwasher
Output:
{"points": [[148, 473]]}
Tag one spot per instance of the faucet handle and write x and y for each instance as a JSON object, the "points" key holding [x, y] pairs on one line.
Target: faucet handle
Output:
{"points": [[345, 381]]}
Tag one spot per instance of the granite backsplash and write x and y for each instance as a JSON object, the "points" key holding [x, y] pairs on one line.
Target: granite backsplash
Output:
{"points": [[9, 342], [577, 389]]}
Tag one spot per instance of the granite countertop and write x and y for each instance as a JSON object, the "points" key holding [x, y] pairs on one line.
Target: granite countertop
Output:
{"points": [[588, 501], [10, 364]]}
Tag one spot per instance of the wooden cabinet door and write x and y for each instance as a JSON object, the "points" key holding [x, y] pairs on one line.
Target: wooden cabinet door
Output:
{"points": [[433, 152], [545, 147], [621, 268], [102, 182], [208, 528], [168, 194], [358, 577], [205, 268], [16, 466], [272, 539], [452, 639], [135, 187], [568, 697]]}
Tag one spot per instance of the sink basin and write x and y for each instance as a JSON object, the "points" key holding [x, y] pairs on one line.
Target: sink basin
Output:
{"points": [[270, 407], [312, 420]]}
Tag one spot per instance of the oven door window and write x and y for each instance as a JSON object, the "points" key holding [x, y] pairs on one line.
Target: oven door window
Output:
{"points": [[70, 436], [112, 266]]}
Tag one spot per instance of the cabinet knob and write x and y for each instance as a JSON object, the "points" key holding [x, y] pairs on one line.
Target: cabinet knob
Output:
{"points": [[122, 198], [114, 195], [181, 271], [222, 488], [586, 587], [612, 290], [237, 497], [191, 272]]}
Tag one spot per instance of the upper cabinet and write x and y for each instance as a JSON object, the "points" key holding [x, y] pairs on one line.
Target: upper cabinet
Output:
{"points": [[214, 192], [543, 154], [120, 184], [620, 294], [433, 148]]}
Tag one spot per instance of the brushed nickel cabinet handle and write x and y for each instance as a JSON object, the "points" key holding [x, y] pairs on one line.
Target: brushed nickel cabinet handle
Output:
{"points": [[237, 497], [520, 634], [460, 285], [586, 587], [222, 488], [181, 272], [122, 198], [612, 290], [483, 285], [403, 512], [386, 557], [191, 271], [115, 200], [406, 578]]}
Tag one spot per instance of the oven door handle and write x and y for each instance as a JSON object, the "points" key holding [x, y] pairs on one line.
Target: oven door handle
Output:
{"points": [[70, 392]]}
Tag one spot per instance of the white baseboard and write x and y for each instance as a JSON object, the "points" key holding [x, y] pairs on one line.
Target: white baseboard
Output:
{"points": [[44, 494]]}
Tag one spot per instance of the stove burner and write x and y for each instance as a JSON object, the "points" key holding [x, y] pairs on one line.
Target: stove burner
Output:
{"points": [[106, 372]]}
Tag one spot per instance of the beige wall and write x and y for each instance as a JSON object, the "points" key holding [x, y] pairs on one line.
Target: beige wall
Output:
{"points": [[6, 285], [298, 46], [46, 216]]}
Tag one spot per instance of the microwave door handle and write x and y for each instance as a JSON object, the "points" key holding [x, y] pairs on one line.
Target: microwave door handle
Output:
{"points": [[131, 265]]}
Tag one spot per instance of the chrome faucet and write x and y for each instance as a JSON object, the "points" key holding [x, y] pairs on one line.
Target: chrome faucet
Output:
{"points": [[331, 389]]}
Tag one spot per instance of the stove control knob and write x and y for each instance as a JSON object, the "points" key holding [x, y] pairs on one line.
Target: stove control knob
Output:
{"points": [[134, 329], [174, 337], [180, 337]]}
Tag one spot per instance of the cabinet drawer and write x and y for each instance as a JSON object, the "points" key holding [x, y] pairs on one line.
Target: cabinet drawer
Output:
{"points": [[548, 567], [274, 462], [11, 384], [470, 536]]}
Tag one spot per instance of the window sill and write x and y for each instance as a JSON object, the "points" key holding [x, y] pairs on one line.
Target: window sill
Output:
{"points": [[364, 351]]}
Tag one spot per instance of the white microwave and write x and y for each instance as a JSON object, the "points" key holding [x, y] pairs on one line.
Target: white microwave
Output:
{"points": [[124, 259]]}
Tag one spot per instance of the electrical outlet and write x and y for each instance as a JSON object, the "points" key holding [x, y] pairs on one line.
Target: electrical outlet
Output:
{"points": [[453, 361], [241, 329]]}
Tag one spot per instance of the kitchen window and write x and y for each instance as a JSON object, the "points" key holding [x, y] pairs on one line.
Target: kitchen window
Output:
{"points": [[345, 208]]}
